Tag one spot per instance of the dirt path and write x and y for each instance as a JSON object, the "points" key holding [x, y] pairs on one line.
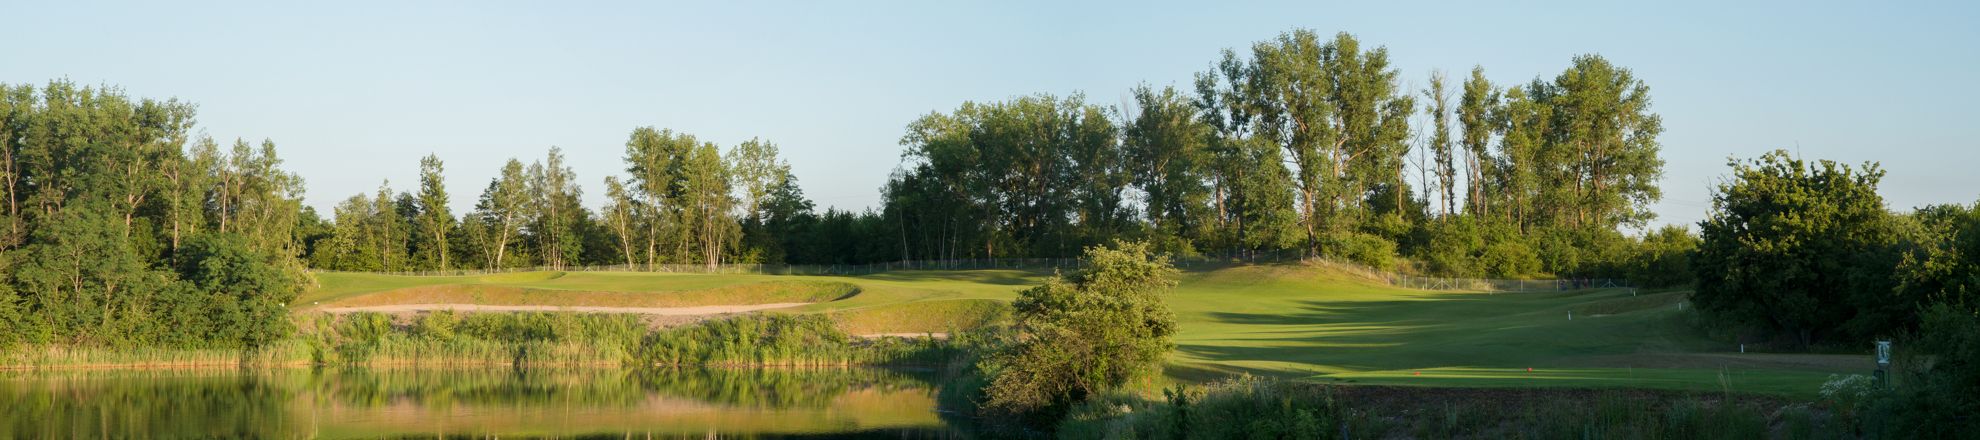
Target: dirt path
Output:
{"points": [[656, 311]]}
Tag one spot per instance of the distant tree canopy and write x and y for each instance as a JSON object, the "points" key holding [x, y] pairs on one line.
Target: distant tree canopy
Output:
{"points": [[121, 229]]}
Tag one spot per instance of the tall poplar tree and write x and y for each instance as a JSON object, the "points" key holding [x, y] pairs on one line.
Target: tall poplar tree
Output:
{"points": [[435, 219], [556, 210], [1474, 114], [1168, 154], [1440, 139]]}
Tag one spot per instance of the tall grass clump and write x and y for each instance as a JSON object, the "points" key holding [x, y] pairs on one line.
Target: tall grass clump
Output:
{"points": [[445, 338], [43, 356], [1245, 407], [1250, 407], [782, 340]]}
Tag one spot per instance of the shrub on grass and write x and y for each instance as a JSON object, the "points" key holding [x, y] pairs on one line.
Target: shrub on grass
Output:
{"points": [[1083, 334], [1362, 248]]}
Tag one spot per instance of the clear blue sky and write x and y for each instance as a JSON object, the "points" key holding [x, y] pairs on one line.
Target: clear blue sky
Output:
{"points": [[354, 92]]}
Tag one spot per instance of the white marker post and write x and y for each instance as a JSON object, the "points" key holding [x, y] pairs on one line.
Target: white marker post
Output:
{"points": [[1883, 362]]}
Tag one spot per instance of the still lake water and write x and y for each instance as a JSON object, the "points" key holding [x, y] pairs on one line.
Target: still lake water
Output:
{"points": [[460, 403]]}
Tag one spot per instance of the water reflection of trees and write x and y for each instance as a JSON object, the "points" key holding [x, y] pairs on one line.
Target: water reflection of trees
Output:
{"points": [[439, 388], [282, 403], [153, 404], [775, 387]]}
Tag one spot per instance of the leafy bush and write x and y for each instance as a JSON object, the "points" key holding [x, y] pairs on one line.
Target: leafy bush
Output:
{"points": [[1362, 248], [1663, 258], [1079, 335], [249, 290], [1509, 259], [437, 325], [1454, 246]]}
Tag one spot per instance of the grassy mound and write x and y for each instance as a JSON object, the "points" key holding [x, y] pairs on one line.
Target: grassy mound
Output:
{"points": [[939, 316]]}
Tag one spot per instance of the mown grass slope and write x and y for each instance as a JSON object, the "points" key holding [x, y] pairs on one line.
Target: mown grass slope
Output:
{"points": [[1330, 326]]}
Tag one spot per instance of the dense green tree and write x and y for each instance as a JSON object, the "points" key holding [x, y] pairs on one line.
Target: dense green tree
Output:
{"points": [[656, 160], [1522, 123], [1939, 264], [1602, 145], [350, 242], [251, 291], [1336, 111], [81, 279], [1036, 175], [103, 195], [1795, 248], [1082, 334], [556, 211], [787, 218], [1167, 148], [1252, 190]]}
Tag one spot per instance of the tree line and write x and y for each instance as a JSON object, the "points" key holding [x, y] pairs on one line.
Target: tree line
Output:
{"points": [[1301, 145], [683, 200]]}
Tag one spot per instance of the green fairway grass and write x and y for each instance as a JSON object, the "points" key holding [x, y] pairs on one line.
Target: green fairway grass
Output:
{"points": [[1312, 322]]}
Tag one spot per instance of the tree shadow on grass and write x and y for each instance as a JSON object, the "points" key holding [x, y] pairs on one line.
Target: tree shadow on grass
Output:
{"points": [[1361, 335]]}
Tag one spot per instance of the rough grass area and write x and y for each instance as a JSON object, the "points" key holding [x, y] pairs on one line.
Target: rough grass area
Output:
{"points": [[770, 292], [1264, 408]]}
